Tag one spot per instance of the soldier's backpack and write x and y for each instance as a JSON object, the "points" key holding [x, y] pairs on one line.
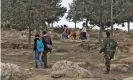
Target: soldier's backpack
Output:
{"points": [[112, 44], [40, 46], [111, 47]]}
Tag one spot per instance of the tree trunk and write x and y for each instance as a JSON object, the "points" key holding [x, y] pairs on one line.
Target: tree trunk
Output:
{"points": [[112, 18], [38, 29], [100, 34], [87, 22], [29, 37], [48, 24], [75, 24], [52, 24], [44, 25], [128, 26]]}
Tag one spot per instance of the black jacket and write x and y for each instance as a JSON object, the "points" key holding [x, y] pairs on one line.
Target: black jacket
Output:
{"points": [[46, 40]]}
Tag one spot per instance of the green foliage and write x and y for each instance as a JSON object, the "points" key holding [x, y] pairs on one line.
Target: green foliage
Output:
{"points": [[31, 12], [98, 12]]}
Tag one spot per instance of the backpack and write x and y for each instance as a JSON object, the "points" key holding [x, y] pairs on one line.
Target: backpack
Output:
{"points": [[68, 31], [46, 41], [49, 46], [40, 46], [111, 45]]}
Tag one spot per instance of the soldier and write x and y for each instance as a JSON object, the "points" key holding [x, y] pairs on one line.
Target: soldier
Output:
{"points": [[109, 48]]}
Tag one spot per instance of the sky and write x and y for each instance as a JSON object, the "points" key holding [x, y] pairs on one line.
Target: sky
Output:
{"points": [[63, 20]]}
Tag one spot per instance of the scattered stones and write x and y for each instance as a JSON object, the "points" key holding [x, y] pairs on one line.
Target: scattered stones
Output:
{"points": [[70, 69]]}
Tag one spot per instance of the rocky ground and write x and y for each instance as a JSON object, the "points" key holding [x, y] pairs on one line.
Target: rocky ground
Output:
{"points": [[69, 60]]}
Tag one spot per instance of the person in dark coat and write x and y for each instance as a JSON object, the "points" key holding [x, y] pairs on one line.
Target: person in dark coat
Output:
{"points": [[46, 41]]}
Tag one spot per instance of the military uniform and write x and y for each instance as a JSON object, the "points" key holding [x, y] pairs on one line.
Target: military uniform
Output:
{"points": [[108, 54]]}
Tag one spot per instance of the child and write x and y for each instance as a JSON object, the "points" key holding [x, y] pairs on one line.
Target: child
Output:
{"points": [[74, 35], [38, 48], [63, 35], [80, 35]]}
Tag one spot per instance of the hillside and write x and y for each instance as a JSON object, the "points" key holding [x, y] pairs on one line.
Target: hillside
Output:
{"points": [[84, 53]]}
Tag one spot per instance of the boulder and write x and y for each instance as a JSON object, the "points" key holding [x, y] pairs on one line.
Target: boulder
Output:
{"points": [[131, 78], [66, 68], [10, 72], [119, 67]]}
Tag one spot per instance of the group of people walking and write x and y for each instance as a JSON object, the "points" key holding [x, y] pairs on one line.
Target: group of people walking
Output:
{"points": [[67, 33], [43, 45]]}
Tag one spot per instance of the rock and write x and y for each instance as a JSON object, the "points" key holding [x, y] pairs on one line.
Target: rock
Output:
{"points": [[31, 62], [60, 54], [126, 60], [131, 49], [131, 78], [119, 67], [10, 72], [57, 74], [69, 69]]}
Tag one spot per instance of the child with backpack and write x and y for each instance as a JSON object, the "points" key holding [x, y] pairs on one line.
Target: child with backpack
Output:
{"points": [[38, 49]]}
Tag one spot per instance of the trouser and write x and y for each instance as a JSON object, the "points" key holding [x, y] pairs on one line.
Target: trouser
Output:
{"points": [[84, 35], [107, 61], [67, 36], [44, 59], [63, 36], [37, 57]]}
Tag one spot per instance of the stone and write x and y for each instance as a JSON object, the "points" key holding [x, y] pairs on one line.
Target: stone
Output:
{"points": [[10, 72], [119, 67], [131, 49], [131, 78], [69, 69], [60, 54], [57, 74]]}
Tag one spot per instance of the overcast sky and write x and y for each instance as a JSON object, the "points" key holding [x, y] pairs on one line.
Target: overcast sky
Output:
{"points": [[70, 24]]}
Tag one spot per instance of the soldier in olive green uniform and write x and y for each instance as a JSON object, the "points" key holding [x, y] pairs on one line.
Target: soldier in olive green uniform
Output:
{"points": [[108, 47]]}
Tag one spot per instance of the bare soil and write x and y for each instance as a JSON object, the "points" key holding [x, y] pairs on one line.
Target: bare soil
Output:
{"points": [[63, 50]]}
